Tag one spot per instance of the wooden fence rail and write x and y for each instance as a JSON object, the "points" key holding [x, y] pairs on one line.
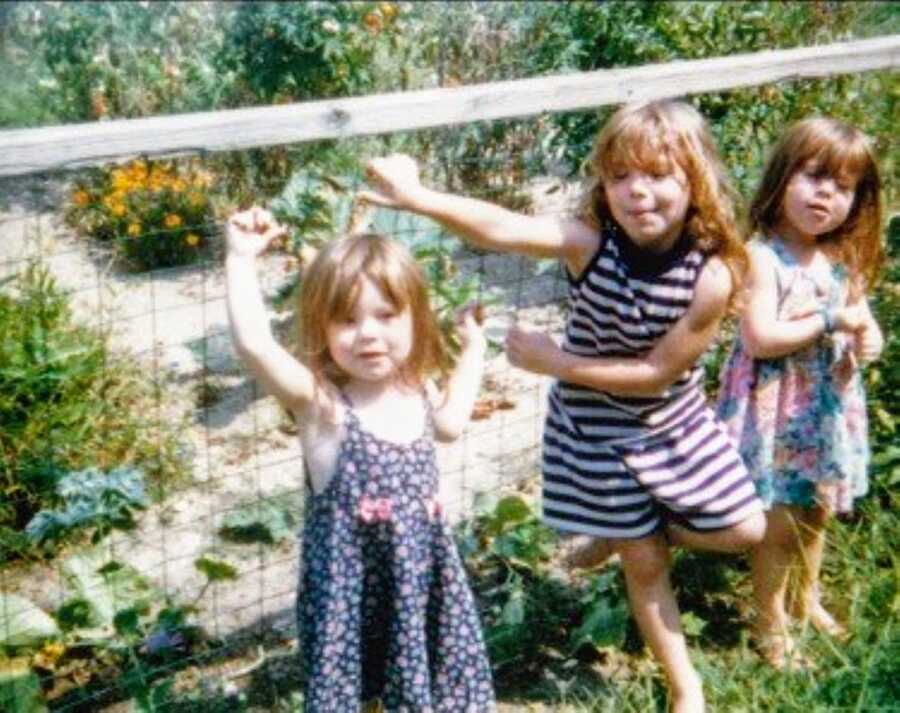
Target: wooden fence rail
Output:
{"points": [[25, 151]]}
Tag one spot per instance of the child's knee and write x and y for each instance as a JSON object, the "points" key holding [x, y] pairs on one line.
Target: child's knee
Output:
{"points": [[751, 531], [644, 561]]}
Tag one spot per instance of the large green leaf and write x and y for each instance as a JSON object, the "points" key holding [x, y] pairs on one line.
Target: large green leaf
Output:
{"points": [[23, 624]]}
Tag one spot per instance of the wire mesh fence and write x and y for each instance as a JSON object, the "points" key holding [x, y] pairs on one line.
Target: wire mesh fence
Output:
{"points": [[173, 553], [219, 462]]}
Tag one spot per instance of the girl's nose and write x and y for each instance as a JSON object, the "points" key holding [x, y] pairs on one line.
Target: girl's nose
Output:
{"points": [[368, 327], [637, 184], [826, 184]]}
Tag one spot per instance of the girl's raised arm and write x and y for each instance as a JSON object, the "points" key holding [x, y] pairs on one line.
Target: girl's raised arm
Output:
{"points": [[765, 335], [453, 411], [247, 236], [482, 224], [650, 375]]}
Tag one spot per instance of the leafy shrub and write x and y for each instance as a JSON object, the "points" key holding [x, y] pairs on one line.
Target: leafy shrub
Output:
{"points": [[95, 60], [283, 52], [67, 402], [156, 214]]}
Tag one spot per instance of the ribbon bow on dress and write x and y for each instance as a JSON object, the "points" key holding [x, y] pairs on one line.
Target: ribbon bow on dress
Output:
{"points": [[372, 510]]}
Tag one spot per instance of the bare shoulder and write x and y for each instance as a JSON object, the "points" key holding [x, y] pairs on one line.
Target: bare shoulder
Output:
{"points": [[581, 241], [712, 292], [324, 410]]}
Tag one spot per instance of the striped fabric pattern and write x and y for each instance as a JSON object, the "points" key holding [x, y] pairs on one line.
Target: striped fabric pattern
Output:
{"points": [[613, 464]]}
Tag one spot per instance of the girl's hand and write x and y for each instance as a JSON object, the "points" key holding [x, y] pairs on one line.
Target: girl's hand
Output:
{"points": [[395, 179], [868, 343], [468, 326], [851, 318], [531, 350], [250, 232]]}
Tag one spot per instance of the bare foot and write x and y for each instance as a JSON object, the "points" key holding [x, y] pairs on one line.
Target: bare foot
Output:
{"points": [[779, 651], [824, 623], [586, 552], [687, 699], [819, 618]]}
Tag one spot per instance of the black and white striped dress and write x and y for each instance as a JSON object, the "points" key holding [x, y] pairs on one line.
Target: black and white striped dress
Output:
{"points": [[617, 466]]}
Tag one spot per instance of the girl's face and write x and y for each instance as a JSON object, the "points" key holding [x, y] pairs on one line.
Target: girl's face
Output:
{"points": [[815, 202], [375, 340], [650, 206]]}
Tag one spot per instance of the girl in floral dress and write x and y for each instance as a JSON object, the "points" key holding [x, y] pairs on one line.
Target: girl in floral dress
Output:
{"points": [[384, 609], [791, 395]]}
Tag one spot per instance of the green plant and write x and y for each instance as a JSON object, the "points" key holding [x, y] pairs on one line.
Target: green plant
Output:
{"points": [[269, 521], [156, 214], [68, 402], [318, 208], [281, 52], [103, 501]]}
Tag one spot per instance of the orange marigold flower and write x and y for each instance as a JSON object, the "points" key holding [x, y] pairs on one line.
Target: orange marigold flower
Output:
{"points": [[81, 198], [178, 185], [172, 220], [118, 209], [134, 229], [192, 239], [373, 22]]}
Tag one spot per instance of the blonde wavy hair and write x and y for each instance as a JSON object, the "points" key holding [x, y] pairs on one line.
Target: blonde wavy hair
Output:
{"points": [[329, 290], [843, 152], [653, 137]]}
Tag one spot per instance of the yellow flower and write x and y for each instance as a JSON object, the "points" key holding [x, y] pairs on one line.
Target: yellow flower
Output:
{"points": [[178, 185], [172, 220], [192, 239], [203, 179], [81, 198], [120, 180], [118, 209], [47, 657], [196, 199], [134, 229]]}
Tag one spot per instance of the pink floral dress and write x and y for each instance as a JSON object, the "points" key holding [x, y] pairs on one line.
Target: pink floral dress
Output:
{"points": [[384, 607], [800, 420]]}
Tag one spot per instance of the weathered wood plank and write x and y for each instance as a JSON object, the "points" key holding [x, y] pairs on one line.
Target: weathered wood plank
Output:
{"points": [[62, 147]]}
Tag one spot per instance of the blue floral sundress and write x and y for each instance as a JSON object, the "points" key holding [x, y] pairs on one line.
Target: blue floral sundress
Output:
{"points": [[384, 607], [800, 420]]}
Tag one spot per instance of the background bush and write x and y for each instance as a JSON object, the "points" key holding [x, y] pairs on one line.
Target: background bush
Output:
{"points": [[67, 403], [155, 214]]}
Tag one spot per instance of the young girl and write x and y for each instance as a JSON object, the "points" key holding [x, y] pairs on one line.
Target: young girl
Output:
{"points": [[791, 394], [384, 609], [630, 445]]}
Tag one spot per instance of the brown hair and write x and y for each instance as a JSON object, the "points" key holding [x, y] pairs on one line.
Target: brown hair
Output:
{"points": [[331, 286], [653, 136], [837, 150]]}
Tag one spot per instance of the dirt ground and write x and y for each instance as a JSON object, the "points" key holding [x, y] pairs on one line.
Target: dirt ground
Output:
{"points": [[174, 321]]}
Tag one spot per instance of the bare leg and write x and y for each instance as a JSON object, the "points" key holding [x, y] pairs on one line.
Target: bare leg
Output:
{"points": [[770, 564], [586, 552], [807, 604], [736, 538], [646, 565]]}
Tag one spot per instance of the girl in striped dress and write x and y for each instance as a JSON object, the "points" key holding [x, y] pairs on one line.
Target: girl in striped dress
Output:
{"points": [[792, 394], [632, 454]]}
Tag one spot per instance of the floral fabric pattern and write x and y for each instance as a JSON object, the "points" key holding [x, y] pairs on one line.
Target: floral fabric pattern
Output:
{"points": [[384, 609], [800, 420]]}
